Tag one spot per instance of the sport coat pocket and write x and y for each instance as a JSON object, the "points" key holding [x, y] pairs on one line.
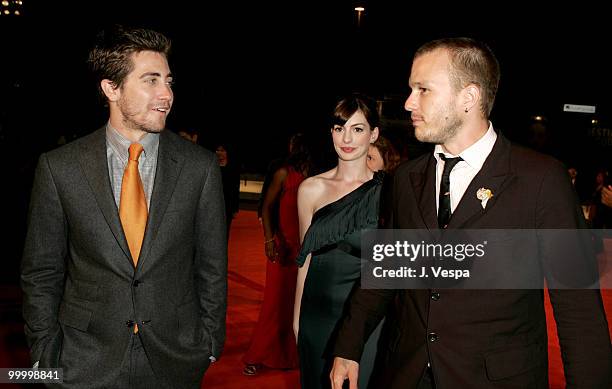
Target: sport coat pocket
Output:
{"points": [[86, 290], [74, 316], [513, 361]]}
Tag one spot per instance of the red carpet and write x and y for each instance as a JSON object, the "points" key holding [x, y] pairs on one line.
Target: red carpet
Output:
{"points": [[247, 275], [246, 279]]}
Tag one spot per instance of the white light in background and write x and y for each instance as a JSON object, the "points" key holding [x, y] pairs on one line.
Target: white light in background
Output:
{"points": [[360, 10], [11, 7]]}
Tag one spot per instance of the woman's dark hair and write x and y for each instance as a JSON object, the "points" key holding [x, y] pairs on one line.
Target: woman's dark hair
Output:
{"points": [[299, 154], [352, 103]]}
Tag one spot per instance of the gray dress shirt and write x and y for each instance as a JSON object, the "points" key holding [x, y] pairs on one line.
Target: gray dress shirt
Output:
{"points": [[117, 156]]}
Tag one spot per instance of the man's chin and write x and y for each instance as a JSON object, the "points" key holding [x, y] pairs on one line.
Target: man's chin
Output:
{"points": [[427, 136], [422, 135], [153, 130]]}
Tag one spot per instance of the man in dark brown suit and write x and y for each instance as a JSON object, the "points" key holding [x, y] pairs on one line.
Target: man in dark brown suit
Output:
{"points": [[475, 338]]}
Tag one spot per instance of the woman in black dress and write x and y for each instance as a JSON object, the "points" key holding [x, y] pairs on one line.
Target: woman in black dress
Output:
{"points": [[333, 208]]}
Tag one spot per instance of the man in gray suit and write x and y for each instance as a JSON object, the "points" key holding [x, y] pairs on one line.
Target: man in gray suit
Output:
{"points": [[111, 316]]}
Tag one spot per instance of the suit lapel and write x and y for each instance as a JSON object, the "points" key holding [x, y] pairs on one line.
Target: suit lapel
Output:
{"points": [[424, 187], [94, 162], [169, 164], [495, 174]]}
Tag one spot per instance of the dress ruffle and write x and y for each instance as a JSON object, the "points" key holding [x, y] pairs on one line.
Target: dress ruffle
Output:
{"points": [[355, 211]]}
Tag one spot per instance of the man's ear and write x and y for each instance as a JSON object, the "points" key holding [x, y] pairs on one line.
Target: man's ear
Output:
{"points": [[111, 91], [471, 97]]}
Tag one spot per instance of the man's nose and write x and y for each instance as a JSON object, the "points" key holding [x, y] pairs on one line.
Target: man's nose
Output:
{"points": [[410, 104]]}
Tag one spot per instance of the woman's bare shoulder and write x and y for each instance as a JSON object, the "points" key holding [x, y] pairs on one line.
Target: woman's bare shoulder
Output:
{"points": [[316, 183], [316, 190]]}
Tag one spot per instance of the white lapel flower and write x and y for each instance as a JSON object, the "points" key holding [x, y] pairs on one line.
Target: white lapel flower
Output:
{"points": [[484, 195]]}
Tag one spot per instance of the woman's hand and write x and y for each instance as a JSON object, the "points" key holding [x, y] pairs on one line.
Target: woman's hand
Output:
{"points": [[271, 250]]}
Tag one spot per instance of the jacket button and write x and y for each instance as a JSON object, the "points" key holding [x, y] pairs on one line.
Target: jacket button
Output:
{"points": [[129, 323], [432, 336], [136, 283], [435, 296]]}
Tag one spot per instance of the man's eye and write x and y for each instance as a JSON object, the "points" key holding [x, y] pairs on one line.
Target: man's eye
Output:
{"points": [[369, 157], [151, 81], [170, 83]]}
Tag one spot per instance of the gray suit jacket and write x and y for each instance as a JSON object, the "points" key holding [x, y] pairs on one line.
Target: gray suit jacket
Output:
{"points": [[81, 291]]}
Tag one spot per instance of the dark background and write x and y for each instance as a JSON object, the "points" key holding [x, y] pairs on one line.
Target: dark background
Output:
{"points": [[256, 72]]}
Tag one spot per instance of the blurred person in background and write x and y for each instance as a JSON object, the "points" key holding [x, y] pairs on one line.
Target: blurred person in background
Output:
{"points": [[273, 343], [600, 213], [382, 155], [191, 134], [230, 176], [273, 166]]}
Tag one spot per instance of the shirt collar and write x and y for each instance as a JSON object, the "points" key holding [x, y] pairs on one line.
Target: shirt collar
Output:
{"points": [[476, 154], [120, 144]]}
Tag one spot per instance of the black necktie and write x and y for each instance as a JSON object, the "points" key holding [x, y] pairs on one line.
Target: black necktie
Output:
{"points": [[444, 206]]}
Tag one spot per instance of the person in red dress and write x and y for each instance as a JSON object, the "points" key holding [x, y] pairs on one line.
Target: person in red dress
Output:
{"points": [[273, 343]]}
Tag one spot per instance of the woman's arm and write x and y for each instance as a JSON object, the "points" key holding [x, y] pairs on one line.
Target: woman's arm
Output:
{"points": [[306, 196], [270, 201]]}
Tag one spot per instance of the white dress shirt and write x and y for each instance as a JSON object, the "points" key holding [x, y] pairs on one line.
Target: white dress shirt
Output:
{"points": [[462, 174]]}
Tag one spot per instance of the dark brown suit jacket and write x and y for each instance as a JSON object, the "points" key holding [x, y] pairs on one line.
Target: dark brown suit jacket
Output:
{"points": [[484, 338]]}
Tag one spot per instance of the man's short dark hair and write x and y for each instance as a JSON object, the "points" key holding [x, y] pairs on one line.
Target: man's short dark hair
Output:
{"points": [[110, 58], [472, 62]]}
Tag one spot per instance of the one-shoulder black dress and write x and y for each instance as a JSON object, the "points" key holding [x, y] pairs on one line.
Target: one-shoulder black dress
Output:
{"points": [[334, 238]]}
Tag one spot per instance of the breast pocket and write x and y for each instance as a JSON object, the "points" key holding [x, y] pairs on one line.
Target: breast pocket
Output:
{"points": [[85, 290], [180, 206]]}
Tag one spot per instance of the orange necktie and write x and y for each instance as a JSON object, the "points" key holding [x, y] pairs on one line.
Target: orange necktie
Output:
{"points": [[133, 204]]}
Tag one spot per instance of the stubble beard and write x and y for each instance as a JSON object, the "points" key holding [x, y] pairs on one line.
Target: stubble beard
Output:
{"points": [[447, 129], [129, 120]]}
